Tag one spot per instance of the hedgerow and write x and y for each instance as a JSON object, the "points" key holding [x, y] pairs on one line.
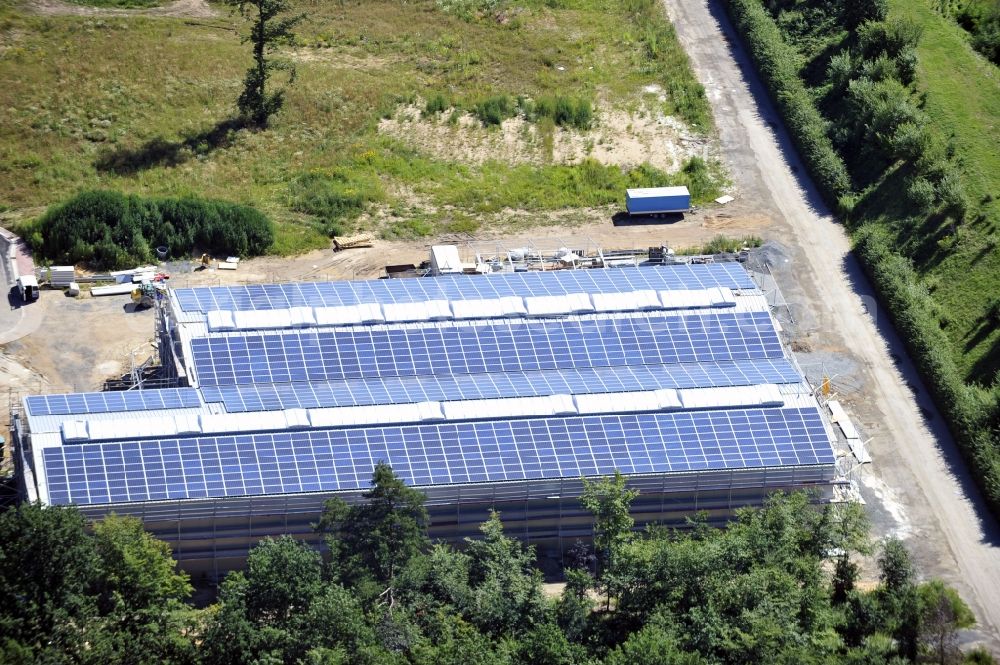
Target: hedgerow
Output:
{"points": [[971, 411], [778, 64], [109, 230]]}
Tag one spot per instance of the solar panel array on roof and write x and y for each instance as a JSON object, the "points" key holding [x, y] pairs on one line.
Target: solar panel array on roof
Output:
{"points": [[496, 347], [402, 390], [473, 452], [462, 287], [110, 402], [487, 399]]}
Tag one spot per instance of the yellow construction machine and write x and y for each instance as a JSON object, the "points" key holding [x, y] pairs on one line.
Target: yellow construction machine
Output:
{"points": [[144, 295]]}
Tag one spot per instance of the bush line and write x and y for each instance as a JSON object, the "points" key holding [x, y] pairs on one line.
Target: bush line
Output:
{"points": [[970, 412], [967, 409]]}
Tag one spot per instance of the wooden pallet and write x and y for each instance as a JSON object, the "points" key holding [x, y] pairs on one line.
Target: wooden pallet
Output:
{"points": [[352, 242]]}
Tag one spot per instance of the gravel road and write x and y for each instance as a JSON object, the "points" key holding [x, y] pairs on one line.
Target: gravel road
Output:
{"points": [[953, 536]]}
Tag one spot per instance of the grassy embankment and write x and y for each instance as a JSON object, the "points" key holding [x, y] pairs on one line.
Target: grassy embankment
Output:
{"points": [[919, 144], [143, 105], [963, 102]]}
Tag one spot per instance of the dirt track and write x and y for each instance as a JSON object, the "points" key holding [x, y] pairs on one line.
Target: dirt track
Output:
{"points": [[953, 535]]}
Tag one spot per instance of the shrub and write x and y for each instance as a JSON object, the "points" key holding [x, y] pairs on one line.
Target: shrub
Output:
{"points": [[563, 111], [721, 244], [921, 194], [857, 12], [109, 230], [583, 114], [494, 110], [881, 68], [840, 71], [952, 193], [906, 65], [877, 111], [334, 198], [910, 140], [700, 181], [982, 21], [889, 37], [436, 104]]}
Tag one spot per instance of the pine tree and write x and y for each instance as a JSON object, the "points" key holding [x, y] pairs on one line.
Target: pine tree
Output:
{"points": [[269, 28]]}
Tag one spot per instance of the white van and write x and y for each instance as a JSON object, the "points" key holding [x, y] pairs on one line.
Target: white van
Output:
{"points": [[28, 286]]}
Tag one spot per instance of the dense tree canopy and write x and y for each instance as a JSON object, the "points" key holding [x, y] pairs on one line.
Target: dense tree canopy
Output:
{"points": [[777, 586]]}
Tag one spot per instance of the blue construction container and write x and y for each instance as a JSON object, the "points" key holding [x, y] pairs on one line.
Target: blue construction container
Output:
{"points": [[650, 200]]}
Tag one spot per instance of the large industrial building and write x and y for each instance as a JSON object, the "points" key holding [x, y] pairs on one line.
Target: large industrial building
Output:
{"points": [[486, 392]]}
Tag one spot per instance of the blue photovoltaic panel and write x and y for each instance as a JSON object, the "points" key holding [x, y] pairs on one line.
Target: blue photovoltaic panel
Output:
{"points": [[109, 402], [411, 389], [366, 352], [432, 454], [461, 287]]}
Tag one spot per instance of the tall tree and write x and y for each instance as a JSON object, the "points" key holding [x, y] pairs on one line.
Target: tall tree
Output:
{"points": [[269, 28], [138, 570], [895, 567], [942, 614], [262, 610], [898, 596], [141, 597], [609, 501], [506, 587], [48, 572], [378, 537], [652, 646]]}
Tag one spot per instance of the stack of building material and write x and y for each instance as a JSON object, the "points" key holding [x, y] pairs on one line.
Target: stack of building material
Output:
{"points": [[61, 276]]}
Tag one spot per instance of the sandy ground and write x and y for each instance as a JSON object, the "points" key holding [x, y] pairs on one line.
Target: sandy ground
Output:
{"points": [[177, 9], [917, 486], [620, 137]]}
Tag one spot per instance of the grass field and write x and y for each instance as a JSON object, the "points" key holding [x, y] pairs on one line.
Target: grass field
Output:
{"points": [[963, 102], [145, 105]]}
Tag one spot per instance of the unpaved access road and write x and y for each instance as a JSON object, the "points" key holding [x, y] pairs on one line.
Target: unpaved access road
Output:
{"points": [[952, 534]]}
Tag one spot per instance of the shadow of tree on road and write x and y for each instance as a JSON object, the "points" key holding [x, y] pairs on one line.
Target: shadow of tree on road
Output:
{"points": [[954, 462], [766, 110], [160, 152]]}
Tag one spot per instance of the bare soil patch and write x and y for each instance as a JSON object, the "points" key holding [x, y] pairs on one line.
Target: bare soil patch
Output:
{"points": [[621, 137], [176, 9], [340, 60]]}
